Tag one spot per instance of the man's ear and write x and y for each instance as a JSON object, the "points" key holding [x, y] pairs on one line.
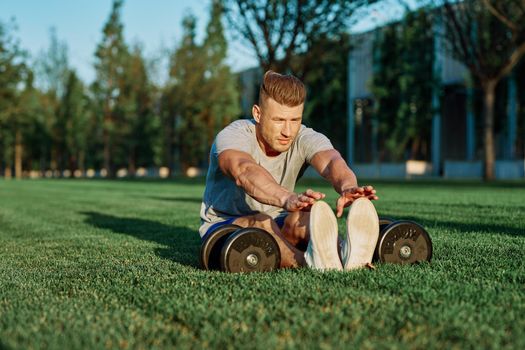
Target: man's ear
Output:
{"points": [[256, 113]]}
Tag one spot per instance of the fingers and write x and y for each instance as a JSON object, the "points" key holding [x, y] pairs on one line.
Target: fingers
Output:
{"points": [[297, 205], [354, 191], [350, 195], [342, 203], [353, 195], [357, 190], [314, 194], [309, 196], [340, 206], [305, 199], [364, 191]]}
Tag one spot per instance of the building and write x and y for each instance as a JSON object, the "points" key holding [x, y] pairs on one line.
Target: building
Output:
{"points": [[456, 144], [456, 130]]}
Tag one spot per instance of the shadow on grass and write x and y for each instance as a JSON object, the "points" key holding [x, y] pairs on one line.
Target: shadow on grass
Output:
{"points": [[464, 207], [179, 244], [427, 183], [462, 227], [178, 199]]}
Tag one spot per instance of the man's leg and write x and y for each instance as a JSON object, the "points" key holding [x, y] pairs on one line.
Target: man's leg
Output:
{"points": [[290, 255], [296, 229]]}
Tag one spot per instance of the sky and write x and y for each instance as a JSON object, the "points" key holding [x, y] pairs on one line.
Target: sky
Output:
{"points": [[156, 24]]}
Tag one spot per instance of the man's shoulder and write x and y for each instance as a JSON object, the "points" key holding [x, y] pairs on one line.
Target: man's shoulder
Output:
{"points": [[309, 142], [306, 131], [241, 125], [238, 135]]}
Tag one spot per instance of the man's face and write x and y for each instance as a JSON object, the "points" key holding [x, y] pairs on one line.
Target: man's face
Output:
{"points": [[277, 125]]}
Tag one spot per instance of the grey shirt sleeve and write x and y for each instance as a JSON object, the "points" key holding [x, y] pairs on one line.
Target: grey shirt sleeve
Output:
{"points": [[310, 142], [238, 136]]}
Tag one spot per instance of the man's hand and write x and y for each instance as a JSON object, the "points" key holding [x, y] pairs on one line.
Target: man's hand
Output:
{"points": [[302, 201], [349, 196]]}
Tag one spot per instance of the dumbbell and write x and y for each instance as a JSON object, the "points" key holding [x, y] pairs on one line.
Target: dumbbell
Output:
{"points": [[402, 242], [231, 248]]}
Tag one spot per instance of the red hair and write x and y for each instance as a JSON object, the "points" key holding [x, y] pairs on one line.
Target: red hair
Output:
{"points": [[284, 89]]}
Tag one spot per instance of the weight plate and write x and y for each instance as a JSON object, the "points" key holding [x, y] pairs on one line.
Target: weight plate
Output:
{"points": [[384, 222], [212, 246], [250, 250], [404, 242]]}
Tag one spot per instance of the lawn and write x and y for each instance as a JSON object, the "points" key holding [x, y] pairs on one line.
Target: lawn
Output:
{"points": [[114, 264]]}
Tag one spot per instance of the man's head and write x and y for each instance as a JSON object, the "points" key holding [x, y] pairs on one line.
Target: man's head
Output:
{"points": [[279, 112]]}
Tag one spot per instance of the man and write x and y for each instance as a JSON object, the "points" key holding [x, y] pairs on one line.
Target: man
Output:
{"points": [[254, 165]]}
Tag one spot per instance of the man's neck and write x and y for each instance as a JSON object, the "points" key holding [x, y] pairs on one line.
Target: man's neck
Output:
{"points": [[268, 151]]}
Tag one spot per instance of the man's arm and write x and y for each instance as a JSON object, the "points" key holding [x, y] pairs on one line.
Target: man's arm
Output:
{"points": [[333, 167], [258, 183]]}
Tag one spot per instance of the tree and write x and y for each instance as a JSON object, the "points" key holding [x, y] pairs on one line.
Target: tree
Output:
{"points": [[220, 87], [75, 114], [51, 74], [168, 119], [186, 86], [488, 37], [402, 86], [327, 91], [52, 66], [279, 30], [14, 78], [201, 96], [111, 58], [137, 96]]}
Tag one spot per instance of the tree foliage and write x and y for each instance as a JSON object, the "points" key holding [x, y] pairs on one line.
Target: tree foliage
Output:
{"points": [[279, 30], [52, 67], [488, 37], [50, 119], [327, 91], [75, 114], [202, 96], [140, 138], [187, 76], [221, 85], [112, 56], [402, 86], [14, 78]]}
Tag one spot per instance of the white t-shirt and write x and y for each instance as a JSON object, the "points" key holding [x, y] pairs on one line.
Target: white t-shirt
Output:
{"points": [[223, 199]]}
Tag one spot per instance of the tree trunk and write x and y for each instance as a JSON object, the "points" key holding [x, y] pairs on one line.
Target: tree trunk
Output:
{"points": [[54, 161], [42, 164], [72, 163], [82, 162], [106, 139], [18, 154], [415, 148], [132, 162], [107, 152], [489, 92]]}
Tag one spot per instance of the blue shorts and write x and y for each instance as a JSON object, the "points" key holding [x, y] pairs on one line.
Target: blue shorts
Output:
{"points": [[278, 220]]}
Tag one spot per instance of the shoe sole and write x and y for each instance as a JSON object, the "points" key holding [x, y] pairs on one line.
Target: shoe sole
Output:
{"points": [[362, 227], [324, 222]]}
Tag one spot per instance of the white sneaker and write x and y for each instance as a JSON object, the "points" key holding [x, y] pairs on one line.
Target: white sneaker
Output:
{"points": [[322, 252], [362, 232]]}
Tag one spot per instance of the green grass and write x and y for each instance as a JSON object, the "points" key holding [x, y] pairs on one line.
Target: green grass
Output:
{"points": [[114, 264]]}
